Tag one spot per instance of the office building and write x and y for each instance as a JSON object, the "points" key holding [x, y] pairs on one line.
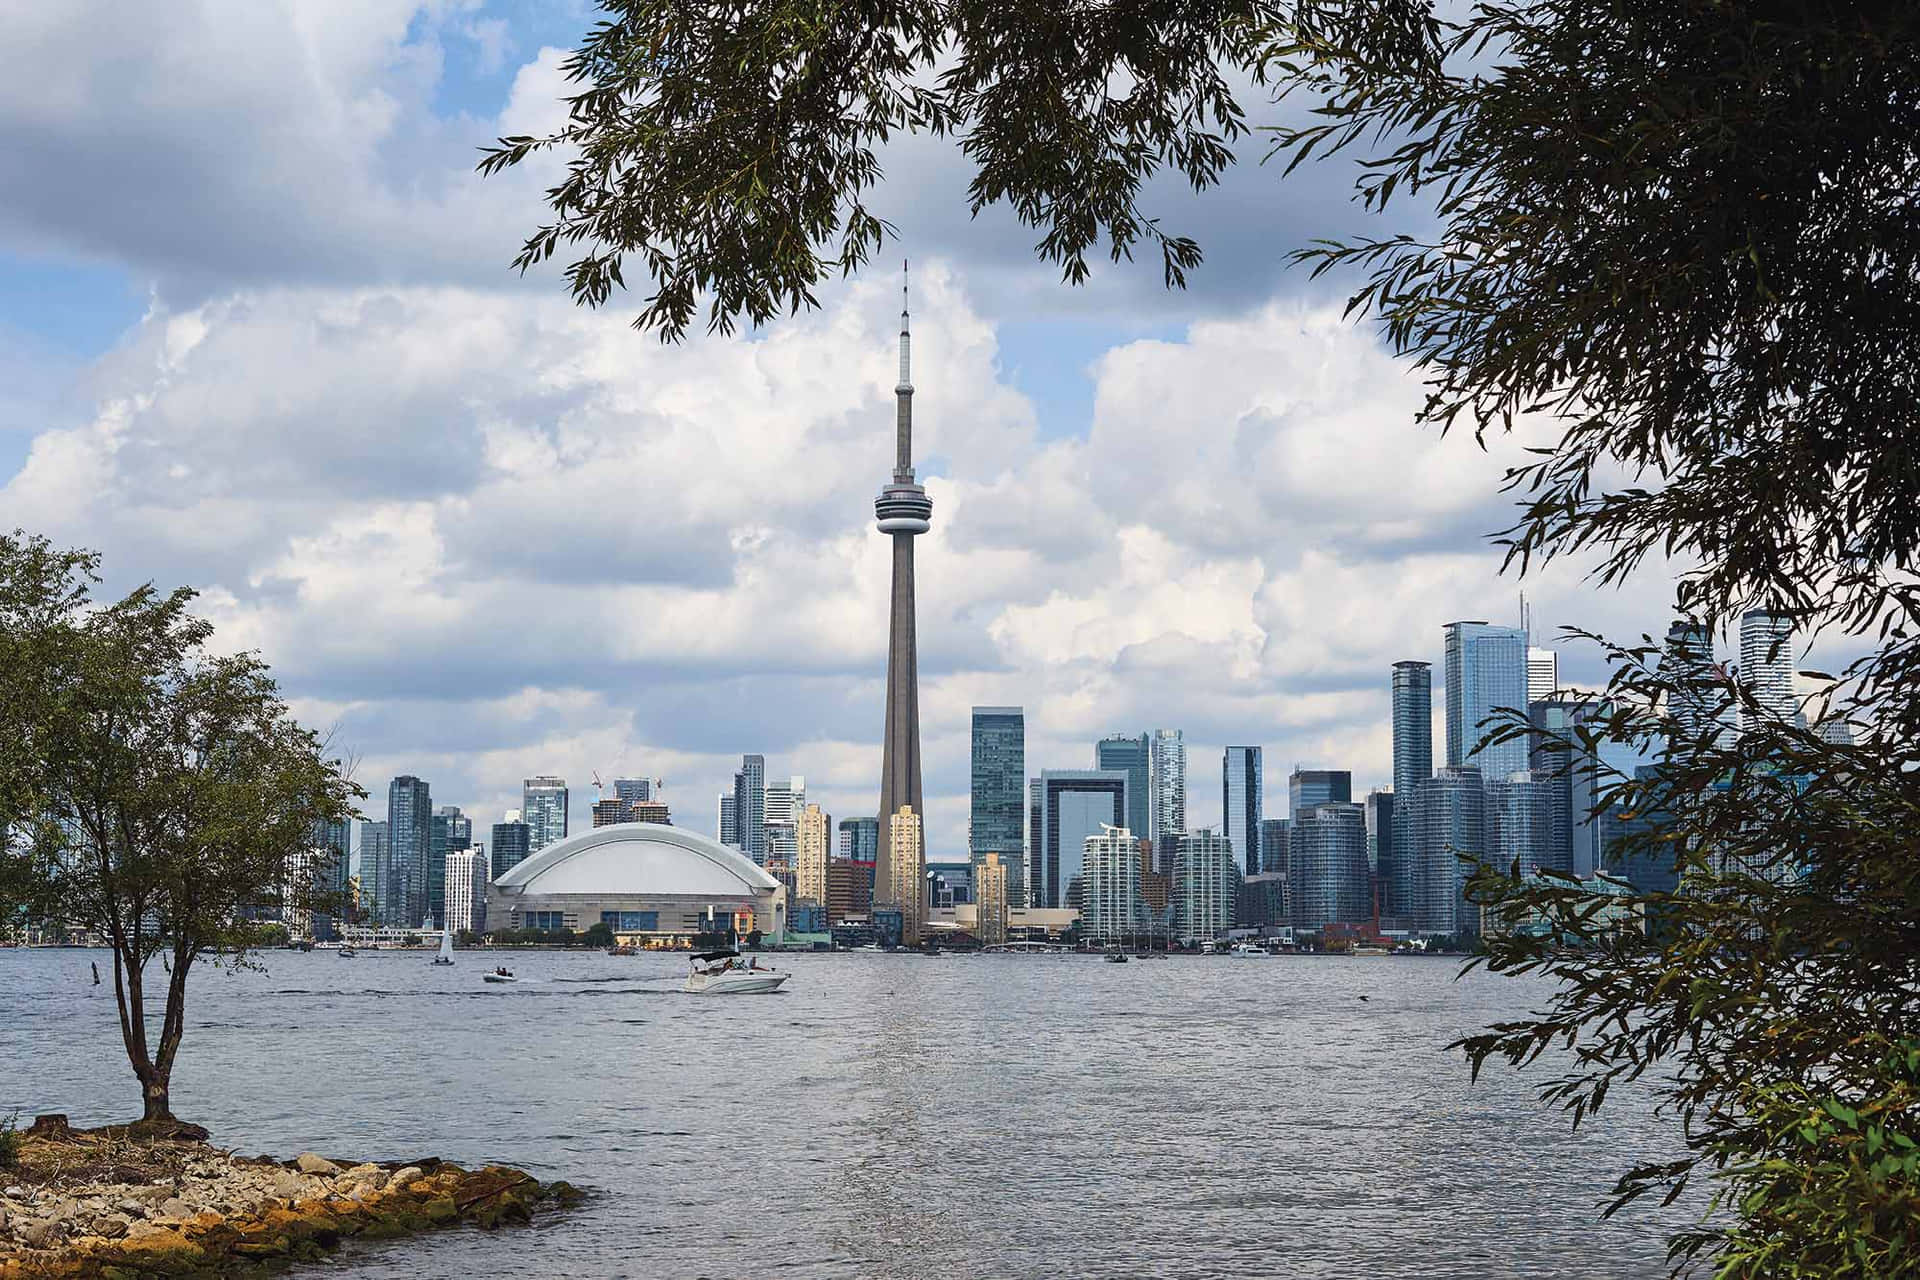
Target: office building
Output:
{"points": [[1310, 788], [410, 835], [332, 844], [1380, 807], [1519, 818], [996, 816], [543, 807], [451, 830], [726, 823], [906, 864], [512, 843], [376, 872], [1036, 841], [990, 893], [1412, 766], [1273, 845], [1204, 887], [1260, 902], [902, 512], [1694, 698], [1240, 803], [1486, 674], [860, 838], [811, 855], [1327, 867], [466, 881], [1111, 907], [1167, 779], [1133, 757], [750, 807], [1543, 673], [632, 790], [849, 888], [1569, 776], [1766, 667], [1449, 824], [1074, 804]]}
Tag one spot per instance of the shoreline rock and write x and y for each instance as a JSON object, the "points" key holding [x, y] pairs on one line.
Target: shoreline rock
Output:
{"points": [[114, 1204]]}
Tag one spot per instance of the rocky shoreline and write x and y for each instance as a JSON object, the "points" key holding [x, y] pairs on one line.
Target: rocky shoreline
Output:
{"points": [[118, 1204]]}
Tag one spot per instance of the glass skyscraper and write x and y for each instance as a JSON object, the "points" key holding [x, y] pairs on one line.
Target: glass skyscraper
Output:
{"points": [[1074, 804], [1486, 672], [1133, 757], [1766, 665], [1520, 821], [1693, 697], [510, 844], [997, 817], [333, 844], [376, 872], [543, 807], [1167, 779], [750, 807], [1450, 822], [1273, 845], [1412, 766], [410, 832], [1327, 868], [1310, 788], [859, 838], [1240, 804]]}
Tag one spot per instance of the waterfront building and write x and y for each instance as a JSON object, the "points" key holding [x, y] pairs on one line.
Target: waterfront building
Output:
{"points": [[1519, 817], [1449, 822], [750, 807], [1766, 666], [906, 865], [406, 899], [1694, 698], [1273, 845], [1310, 788], [990, 894], [648, 883], [609, 811], [1074, 804], [466, 881], [1240, 803], [902, 512], [1327, 867], [1036, 839], [451, 830], [1167, 779], [949, 885], [543, 807], [512, 841], [810, 856], [1111, 908], [376, 871], [1570, 775], [1543, 673], [1154, 883], [1260, 902], [1204, 887], [1133, 757], [726, 823], [1486, 673], [1412, 766], [849, 888], [1380, 810], [860, 839], [332, 843], [786, 801], [996, 820]]}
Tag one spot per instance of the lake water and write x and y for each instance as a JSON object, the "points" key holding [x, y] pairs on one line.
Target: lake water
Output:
{"points": [[893, 1116]]}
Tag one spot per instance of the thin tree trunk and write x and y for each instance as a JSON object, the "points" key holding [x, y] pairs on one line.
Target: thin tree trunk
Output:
{"points": [[172, 1026]]}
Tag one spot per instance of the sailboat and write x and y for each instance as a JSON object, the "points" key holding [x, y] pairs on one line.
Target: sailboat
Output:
{"points": [[446, 947]]}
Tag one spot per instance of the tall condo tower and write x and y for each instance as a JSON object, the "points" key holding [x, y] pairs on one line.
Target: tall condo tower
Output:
{"points": [[904, 512]]}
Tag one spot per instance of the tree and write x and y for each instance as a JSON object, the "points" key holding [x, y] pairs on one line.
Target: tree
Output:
{"points": [[168, 799], [1679, 238], [599, 934]]}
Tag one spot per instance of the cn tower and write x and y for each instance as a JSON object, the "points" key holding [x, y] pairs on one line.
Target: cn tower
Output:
{"points": [[903, 511]]}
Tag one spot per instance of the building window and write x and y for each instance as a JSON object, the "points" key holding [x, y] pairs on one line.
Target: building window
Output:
{"points": [[631, 921], [549, 921]]}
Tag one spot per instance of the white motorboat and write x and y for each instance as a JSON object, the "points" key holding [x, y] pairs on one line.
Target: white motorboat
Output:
{"points": [[720, 973], [501, 974], [1248, 949]]}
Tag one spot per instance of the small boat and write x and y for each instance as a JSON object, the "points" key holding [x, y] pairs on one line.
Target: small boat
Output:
{"points": [[346, 952], [502, 974], [1116, 957], [1247, 949], [621, 949], [1367, 949], [446, 948], [720, 973]]}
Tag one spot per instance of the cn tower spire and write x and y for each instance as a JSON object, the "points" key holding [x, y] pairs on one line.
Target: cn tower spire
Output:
{"points": [[903, 395]]}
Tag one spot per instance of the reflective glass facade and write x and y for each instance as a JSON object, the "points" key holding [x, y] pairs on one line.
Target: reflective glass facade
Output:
{"points": [[1133, 757], [1075, 804], [1240, 803], [1486, 672], [1412, 766], [997, 816], [1327, 876]]}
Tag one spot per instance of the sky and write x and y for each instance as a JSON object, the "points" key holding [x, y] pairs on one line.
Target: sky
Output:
{"points": [[259, 335]]}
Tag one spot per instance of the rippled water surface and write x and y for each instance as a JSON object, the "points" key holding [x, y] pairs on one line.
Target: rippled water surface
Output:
{"points": [[893, 1116]]}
